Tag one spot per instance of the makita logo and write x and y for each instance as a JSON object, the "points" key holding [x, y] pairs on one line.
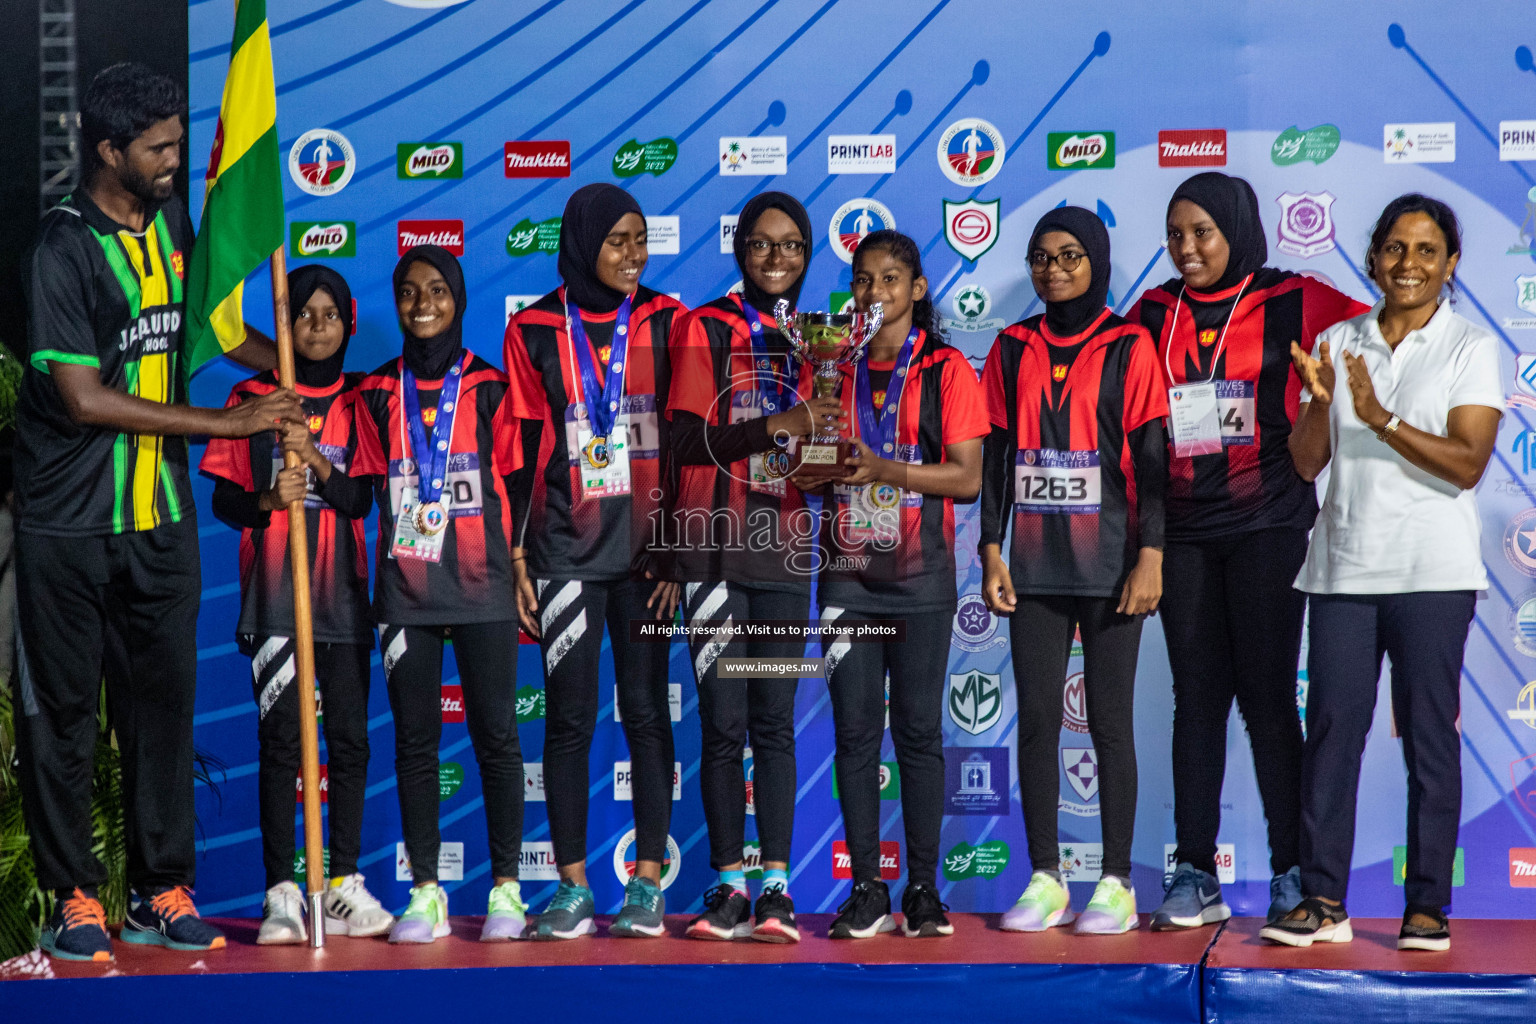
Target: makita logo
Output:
{"points": [[447, 233], [543, 159], [890, 860], [1194, 148], [323, 238], [1522, 867], [453, 704], [429, 160]]}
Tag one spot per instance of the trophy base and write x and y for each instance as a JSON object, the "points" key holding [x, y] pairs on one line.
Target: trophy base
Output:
{"points": [[823, 460]]}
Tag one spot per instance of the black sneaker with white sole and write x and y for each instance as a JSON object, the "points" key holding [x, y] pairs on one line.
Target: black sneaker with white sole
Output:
{"points": [[1311, 921], [922, 913], [775, 917], [1433, 938], [865, 913], [727, 915]]}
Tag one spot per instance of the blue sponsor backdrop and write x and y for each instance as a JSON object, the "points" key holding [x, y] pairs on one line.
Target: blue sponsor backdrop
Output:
{"points": [[1297, 98]]}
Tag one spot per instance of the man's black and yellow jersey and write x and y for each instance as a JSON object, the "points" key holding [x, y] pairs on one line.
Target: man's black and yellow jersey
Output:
{"points": [[103, 296]]}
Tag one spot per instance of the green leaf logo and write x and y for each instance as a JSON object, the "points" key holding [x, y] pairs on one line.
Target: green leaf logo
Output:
{"points": [[635, 157], [985, 861], [1293, 146], [450, 776], [530, 703], [527, 237]]}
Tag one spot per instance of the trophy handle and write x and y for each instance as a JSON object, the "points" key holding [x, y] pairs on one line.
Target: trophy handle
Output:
{"points": [[789, 323], [872, 321]]}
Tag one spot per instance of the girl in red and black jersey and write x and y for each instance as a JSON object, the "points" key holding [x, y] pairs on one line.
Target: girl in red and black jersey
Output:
{"points": [[888, 537], [1238, 516], [438, 435], [742, 548], [1077, 460], [252, 492], [590, 376]]}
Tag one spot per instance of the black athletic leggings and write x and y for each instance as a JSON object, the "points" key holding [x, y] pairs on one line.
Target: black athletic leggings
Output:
{"points": [[736, 711], [856, 674], [1233, 623], [572, 614], [486, 653], [341, 672], [1041, 630]]}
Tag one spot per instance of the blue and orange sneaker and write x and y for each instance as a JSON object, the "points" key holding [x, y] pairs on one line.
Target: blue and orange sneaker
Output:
{"points": [[77, 930], [168, 918]]}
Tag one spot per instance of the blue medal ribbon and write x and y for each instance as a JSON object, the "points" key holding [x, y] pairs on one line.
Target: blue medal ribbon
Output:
{"points": [[878, 426], [602, 403], [777, 399], [431, 460]]}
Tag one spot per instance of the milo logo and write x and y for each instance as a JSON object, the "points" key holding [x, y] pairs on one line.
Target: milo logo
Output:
{"points": [[1067, 150], [312, 239], [429, 160], [986, 860]]}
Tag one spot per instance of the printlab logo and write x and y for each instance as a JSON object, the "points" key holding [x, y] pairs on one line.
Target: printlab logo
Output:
{"points": [[1517, 140], [728, 233], [528, 237], [1419, 143], [975, 628], [429, 160], [971, 306], [1226, 863], [986, 860], [976, 780], [453, 704], [1194, 147], [1294, 146], [861, 154], [537, 862], [1520, 542], [890, 860], [1306, 223], [971, 152], [624, 779], [1525, 298], [450, 863], [970, 227], [1080, 862], [541, 158], [754, 154], [450, 778], [321, 162], [855, 219], [1400, 866], [312, 239], [635, 158], [976, 700], [1081, 766], [1074, 705], [1068, 151], [624, 862], [1522, 867], [447, 233]]}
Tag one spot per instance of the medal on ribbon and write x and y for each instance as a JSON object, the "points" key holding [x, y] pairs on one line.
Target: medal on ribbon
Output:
{"points": [[431, 514]]}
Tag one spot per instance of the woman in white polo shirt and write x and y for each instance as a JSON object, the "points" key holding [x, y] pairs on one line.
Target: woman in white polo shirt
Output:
{"points": [[1394, 563]]}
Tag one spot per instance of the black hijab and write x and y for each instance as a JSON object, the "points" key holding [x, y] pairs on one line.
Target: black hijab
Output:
{"points": [[303, 282], [590, 215], [1073, 316], [1235, 210], [431, 358], [747, 223]]}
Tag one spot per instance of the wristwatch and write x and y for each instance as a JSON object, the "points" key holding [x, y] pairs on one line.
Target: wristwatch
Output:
{"points": [[1389, 428]]}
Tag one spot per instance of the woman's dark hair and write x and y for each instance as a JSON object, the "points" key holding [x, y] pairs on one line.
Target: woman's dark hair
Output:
{"points": [[123, 102], [924, 314], [1443, 216]]}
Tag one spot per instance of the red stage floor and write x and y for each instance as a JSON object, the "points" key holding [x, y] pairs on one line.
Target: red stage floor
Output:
{"points": [[1477, 947], [977, 940]]}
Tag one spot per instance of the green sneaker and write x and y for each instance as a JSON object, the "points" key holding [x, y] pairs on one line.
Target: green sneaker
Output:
{"points": [[1112, 911], [425, 919], [569, 914], [506, 916], [640, 917], [1044, 905]]}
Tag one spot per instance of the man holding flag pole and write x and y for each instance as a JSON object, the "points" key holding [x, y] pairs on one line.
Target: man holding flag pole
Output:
{"points": [[106, 532]]}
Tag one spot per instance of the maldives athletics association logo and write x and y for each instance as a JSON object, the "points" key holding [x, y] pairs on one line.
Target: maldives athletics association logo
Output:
{"points": [[321, 162], [970, 227], [855, 219], [971, 152], [1306, 223], [624, 861]]}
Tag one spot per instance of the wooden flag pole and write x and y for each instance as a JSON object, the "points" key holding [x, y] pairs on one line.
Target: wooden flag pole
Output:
{"points": [[304, 633]]}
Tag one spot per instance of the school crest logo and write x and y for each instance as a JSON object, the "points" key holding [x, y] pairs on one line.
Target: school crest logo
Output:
{"points": [[321, 162], [1306, 223], [976, 700], [971, 152], [970, 227]]}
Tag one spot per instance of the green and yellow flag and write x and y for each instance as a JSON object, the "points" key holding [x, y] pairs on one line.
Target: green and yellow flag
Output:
{"points": [[243, 205]]}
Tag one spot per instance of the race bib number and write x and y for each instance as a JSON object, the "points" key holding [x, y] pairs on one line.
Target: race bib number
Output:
{"points": [[1047, 481], [1235, 409], [603, 462], [408, 541], [872, 512], [766, 471], [463, 492], [335, 455], [1193, 419]]}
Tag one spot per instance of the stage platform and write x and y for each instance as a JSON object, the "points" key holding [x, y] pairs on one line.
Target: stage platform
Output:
{"points": [[979, 975]]}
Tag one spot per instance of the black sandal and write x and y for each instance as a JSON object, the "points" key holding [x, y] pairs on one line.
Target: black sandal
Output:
{"points": [[1434, 938], [1313, 920]]}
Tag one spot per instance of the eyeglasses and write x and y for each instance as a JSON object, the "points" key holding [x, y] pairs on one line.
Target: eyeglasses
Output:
{"points": [[1068, 261], [761, 246]]}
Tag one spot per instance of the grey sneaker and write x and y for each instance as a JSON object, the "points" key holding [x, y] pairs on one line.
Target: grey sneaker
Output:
{"points": [[1284, 894], [569, 914], [640, 917], [1193, 899], [506, 916]]}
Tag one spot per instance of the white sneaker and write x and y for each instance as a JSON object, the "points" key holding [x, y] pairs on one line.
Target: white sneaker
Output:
{"points": [[282, 916], [350, 909]]}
